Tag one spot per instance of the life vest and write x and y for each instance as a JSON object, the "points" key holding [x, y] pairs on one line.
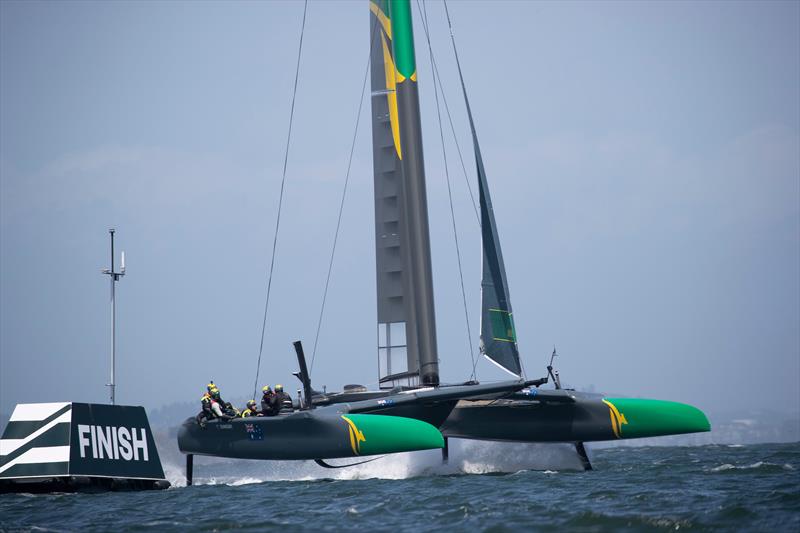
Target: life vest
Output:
{"points": [[205, 402]]}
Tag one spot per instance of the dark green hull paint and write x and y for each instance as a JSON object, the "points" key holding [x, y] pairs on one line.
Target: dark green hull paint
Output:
{"points": [[653, 418], [389, 434]]}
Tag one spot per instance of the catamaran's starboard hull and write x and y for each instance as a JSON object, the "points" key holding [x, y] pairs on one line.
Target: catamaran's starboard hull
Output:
{"points": [[307, 435], [571, 417]]}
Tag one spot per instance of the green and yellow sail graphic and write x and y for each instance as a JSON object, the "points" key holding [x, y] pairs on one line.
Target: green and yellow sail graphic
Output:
{"points": [[405, 284], [399, 63]]}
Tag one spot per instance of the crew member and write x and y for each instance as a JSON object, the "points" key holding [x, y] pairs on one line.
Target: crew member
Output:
{"points": [[218, 407], [250, 410], [231, 410], [283, 400], [216, 396], [206, 399], [205, 413], [268, 405]]}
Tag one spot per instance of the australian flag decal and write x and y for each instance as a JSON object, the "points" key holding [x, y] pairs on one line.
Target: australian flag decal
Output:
{"points": [[254, 432]]}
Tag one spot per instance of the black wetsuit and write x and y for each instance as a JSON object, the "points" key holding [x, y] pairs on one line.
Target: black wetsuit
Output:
{"points": [[205, 404], [270, 405], [206, 413], [284, 401]]}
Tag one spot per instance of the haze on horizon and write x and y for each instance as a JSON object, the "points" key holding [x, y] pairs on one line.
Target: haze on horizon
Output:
{"points": [[644, 161]]}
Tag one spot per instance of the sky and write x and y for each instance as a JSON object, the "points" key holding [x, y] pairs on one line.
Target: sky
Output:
{"points": [[643, 157]]}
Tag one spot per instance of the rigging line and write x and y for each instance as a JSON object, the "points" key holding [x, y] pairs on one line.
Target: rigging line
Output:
{"points": [[341, 204], [436, 89], [280, 197], [458, 149], [455, 137], [469, 110]]}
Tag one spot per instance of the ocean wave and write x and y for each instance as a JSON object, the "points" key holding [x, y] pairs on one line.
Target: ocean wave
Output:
{"points": [[757, 465], [245, 481], [466, 458], [754, 489]]}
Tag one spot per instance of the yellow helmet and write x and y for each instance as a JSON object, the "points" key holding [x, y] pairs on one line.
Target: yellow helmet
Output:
{"points": [[278, 388], [266, 389], [251, 403]]}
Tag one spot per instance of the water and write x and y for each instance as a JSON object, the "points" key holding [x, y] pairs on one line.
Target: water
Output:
{"points": [[485, 487]]}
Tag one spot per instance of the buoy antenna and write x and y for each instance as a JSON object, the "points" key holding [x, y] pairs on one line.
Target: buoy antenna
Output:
{"points": [[114, 278]]}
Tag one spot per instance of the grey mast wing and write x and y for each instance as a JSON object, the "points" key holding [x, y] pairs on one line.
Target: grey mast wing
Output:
{"points": [[406, 322]]}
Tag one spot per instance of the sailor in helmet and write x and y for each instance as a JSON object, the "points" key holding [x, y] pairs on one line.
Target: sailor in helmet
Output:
{"points": [[251, 410], [217, 405], [268, 402], [283, 400], [205, 409], [212, 394]]}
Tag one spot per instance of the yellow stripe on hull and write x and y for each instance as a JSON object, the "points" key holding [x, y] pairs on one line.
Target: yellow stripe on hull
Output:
{"points": [[356, 436], [617, 419]]}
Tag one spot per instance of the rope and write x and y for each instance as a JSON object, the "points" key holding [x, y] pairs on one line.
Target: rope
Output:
{"points": [[280, 197], [436, 89], [341, 203], [438, 78]]}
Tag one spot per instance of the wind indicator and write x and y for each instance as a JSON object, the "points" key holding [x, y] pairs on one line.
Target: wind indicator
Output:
{"points": [[556, 378], [114, 278]]}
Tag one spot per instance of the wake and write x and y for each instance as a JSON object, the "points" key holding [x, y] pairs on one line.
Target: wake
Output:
{"points": [[466, 458]]}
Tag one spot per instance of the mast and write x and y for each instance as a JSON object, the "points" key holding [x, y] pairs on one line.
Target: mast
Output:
{"points": [[114, 278], [406, 320]]}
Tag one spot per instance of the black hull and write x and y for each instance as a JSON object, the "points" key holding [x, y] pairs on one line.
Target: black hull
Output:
{"points": [[319, 434], [527, 421], [569, 416], [284, 437]]}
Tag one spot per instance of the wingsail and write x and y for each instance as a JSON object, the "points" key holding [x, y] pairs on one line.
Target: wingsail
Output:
{"points": [[406, 322]]}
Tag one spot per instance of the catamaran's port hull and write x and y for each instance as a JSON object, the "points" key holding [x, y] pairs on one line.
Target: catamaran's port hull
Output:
{"points": [[582, 419], [307, 435]]}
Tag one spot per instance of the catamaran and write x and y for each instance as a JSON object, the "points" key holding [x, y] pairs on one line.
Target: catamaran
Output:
{"points": [[406, 329], [409, 387]]}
